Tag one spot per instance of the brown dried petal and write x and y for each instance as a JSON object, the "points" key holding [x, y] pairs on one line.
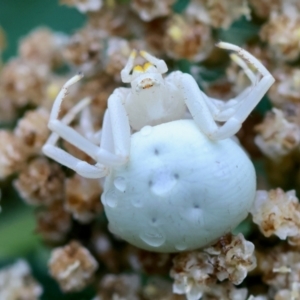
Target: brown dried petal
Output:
{"points": [[43, 46], [193, 274], [72, 266], [187, 38], [54, 223], [119, 287], [41, 182], [218, 13], [277, 136], [277, 212], [233, 257], [32, 129], [23, 81], [83, 198], [12, 154], [281, 33], [84, 50]]}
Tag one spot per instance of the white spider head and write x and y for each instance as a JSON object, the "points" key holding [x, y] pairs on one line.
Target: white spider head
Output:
{"points": [[144, 77]]}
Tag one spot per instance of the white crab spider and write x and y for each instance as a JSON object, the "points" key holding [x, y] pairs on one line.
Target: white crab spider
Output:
{"points": [[176, 171]]}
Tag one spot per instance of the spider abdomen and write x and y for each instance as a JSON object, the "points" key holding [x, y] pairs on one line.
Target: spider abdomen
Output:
{"points": [[179, 190]]}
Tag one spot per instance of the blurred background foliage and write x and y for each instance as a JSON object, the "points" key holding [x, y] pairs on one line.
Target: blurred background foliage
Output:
{"points": [[17, 236], [18, 17]]}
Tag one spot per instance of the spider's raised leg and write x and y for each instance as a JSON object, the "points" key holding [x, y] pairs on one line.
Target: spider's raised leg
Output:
{"points": [[251, 99], [115, 134], [125, 73], [82, 168], [223, 110], [120, 124], [204, 112]]}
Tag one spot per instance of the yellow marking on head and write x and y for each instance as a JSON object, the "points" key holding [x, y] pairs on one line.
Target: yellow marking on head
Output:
{"points": [[138, 68], [147, 65]]}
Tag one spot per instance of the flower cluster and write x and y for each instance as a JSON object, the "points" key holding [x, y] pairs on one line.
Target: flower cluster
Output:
{"points": [[194, 273], [68, 212]]}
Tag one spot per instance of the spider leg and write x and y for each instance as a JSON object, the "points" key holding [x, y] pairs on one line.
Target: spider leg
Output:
{"points": [[125, 73], [203, 112], [61, 129], [221, 110], [82, 168], [249, 102]]}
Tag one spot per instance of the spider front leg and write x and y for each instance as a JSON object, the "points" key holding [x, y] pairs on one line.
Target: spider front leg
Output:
{"points": [[116, 135], [223, 110], [258, 90], [104, 157], [203, 111], [81, 167]]}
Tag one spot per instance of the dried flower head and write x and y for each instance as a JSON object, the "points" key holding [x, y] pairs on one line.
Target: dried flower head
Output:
{"points": [[83, 198], [193, 274], [232, 257], [187, 38], [84, 5], [17, 283], [147, 262], [119, 287], [286, 88], [151, 9], [263, 8], [159, 289], [218, 13], [53, 223], [280, 267], [116, 20], [41, 182], [84, 50], [72, 266], [32, 129], [277, 136], [13, 154], [117, 53], [291, 294], [23, 81], [277, 212], [43, 46], [99, 88], [281, 33], [225, 291]]}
